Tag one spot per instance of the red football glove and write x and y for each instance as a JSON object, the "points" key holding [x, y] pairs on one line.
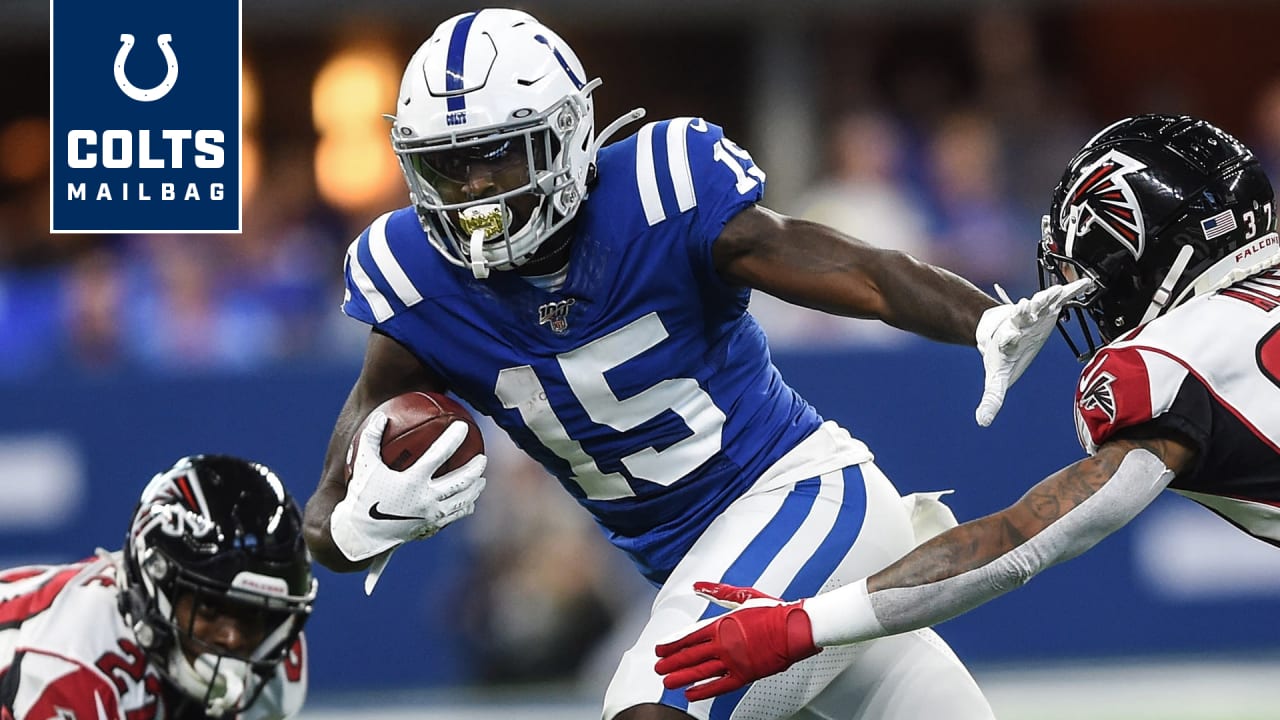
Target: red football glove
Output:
{"points": [[762, 636]]}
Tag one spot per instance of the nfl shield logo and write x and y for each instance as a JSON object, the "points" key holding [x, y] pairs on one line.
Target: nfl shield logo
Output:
{"points": [[556, 314], [145, 116]]}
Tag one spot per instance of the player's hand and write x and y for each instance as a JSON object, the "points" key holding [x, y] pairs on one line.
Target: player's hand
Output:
{"points": [[385, 508], [1010, 335], [762, 636]]}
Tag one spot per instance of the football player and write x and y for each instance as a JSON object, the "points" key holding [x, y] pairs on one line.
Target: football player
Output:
{"points": [[199, 616], [1173, 219], [591, 299]]}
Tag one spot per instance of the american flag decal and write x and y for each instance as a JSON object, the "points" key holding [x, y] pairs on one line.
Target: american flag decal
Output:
{"points": [[1220, 224]]}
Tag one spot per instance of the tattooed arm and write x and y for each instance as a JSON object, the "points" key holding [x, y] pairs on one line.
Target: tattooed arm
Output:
{"points": [[1061, 517]]}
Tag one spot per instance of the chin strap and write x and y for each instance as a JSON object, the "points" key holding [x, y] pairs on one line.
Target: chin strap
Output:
{"points": [[1163, 294]]}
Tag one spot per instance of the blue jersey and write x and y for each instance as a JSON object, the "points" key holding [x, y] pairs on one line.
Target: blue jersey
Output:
{"points": [[642, 384]]}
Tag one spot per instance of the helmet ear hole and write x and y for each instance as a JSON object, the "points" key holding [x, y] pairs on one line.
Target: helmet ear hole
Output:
{"points": [[156, 566]]}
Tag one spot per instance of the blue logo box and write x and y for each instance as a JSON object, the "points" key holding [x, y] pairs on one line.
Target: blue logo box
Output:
{"points": [[145, 116]]}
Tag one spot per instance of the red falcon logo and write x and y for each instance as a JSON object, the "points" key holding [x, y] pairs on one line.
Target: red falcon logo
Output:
{"points": [[1098, 396], [1102, 195]]}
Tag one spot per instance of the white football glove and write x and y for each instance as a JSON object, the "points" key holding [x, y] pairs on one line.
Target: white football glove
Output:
{"points": [[385, 508], [1009, 336]]}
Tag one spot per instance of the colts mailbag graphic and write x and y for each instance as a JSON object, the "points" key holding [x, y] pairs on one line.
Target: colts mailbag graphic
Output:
{"points": [[145, 108]]}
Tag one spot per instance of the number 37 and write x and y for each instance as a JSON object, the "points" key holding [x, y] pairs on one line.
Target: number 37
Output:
{"points": [[1251, 230]]}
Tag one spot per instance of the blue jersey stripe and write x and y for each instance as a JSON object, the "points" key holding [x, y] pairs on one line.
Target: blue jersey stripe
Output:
{"points": [[364, 255], [662, 169], [454, 65], [746, 570]]}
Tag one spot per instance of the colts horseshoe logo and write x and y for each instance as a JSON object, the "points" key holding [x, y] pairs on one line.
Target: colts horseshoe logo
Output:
{"points": [[157, 92]]}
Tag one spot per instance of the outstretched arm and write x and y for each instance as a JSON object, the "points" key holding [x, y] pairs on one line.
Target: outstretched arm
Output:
{"points": [[1061, 517], [1058, 519], [389, 370], [815, 266]]}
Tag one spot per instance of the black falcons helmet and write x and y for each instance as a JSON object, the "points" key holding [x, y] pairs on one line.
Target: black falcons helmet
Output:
{"points": [[1156, 209], [226, 533]]}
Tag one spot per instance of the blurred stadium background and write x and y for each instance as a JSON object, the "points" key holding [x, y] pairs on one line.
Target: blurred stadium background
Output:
{"points": [[936, 126]]}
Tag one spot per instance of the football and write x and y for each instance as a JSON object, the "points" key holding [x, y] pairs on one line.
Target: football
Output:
{"points": [[414, 421]]}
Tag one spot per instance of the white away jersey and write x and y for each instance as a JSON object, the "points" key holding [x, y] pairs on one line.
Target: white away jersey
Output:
{"points": [[67, 654], [1209, 370]]}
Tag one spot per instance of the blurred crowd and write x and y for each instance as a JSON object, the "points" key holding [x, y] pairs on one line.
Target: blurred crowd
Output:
{"points": [[955, 170], [949, 193]]}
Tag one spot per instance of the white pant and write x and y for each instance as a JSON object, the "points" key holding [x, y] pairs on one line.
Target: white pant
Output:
{"points": [[793, 537]]}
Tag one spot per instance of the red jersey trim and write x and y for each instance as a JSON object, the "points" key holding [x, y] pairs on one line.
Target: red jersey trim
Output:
{"points": [[74, 691], [17, 610], [1209, 388], [1116, 393]]}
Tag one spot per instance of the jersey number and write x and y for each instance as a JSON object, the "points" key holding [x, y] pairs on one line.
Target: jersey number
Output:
{"points": [[1252, 224], [520, 389], [740, 162]]}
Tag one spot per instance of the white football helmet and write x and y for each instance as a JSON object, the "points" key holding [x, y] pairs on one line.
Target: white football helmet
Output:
{"points": [[498, 89]]}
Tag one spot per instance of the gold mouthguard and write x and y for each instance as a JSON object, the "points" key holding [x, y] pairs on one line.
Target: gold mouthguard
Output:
{"points": [[489, 218]]}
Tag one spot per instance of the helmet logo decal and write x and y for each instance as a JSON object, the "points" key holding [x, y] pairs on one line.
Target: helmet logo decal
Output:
{"points": [[1101, 194], [577, 82], [177, 506]]}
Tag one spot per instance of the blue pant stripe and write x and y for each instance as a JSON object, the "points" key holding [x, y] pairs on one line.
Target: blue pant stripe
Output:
{"points": [[820, 566], [746, 570], [835, 546]]}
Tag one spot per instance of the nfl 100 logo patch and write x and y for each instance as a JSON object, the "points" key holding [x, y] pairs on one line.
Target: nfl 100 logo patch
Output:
{"points": [[145, 116]]}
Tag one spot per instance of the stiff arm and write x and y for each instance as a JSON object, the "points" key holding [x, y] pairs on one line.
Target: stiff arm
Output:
{"points": [[815, 266]]}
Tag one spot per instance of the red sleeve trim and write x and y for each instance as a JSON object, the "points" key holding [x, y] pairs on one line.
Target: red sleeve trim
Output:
{"points": [[1108, 429], [18, 609], [82, 691], [1114, 393]]}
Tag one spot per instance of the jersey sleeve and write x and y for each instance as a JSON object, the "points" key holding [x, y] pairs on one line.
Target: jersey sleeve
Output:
{"points": [[378, 268], [687, 169], [1131, 386], [42, 686], [725, 179]]}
